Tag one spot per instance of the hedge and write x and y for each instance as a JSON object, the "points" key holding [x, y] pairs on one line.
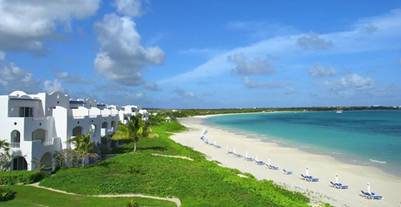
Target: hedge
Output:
{"points": [[24, 177], [6, 194]]}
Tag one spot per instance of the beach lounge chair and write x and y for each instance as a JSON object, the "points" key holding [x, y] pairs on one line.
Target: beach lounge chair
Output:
{"points": [[338, 185], [248, 157], [229, 151], [309, 178], [236, 153], [259, 162], [286, 172], [216, 145], [271, 166], [371, 195]]}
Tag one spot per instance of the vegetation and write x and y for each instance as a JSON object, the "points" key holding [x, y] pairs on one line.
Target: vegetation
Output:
{"points": [[196, 183], [84, 146], [28, 196], [24, 177], [6, 194], [5, 157], [195, 112], [135, 129]]}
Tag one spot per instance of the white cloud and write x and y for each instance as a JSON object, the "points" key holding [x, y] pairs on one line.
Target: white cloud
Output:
{"points": [[152, 87], [25, 24], [350, 84], [244, 67], [313, 42], [13, 78], [387, 34], [318, 70], [122, 57], [69, 78], [266, 85], [52, 85], [131, 8], [184, 94]]}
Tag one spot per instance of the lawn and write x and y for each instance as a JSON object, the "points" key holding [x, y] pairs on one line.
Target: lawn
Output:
{"points": [[30, 196], [195, 183]]}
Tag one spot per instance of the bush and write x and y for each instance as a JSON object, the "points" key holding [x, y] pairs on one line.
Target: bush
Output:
{"points": [[6, 194], [25, 177], [132, 203]]}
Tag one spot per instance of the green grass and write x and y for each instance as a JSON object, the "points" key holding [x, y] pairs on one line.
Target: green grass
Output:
{"points": [[196, 183], [28, 196]]}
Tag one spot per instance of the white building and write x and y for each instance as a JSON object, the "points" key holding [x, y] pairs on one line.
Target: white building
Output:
{"points": [[37, 125]]}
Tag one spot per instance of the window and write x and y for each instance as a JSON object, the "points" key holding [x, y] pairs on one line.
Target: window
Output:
{"points": [[15, 139], [25, 112]]}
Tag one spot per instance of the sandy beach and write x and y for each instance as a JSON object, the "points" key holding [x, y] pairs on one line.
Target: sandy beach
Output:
{"points": [[321, 166]]}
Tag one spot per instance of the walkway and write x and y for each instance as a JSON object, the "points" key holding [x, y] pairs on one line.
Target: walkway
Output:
{"points": [[175, 200]]}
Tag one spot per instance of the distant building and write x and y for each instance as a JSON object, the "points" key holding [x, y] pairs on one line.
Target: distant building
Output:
{"points": [[37, 125]]}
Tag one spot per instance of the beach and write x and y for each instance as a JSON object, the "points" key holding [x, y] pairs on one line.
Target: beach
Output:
{"points": [[321, 166]]}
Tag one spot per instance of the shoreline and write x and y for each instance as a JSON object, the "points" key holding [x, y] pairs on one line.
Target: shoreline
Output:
{"points": [[296, 160], [307, 148]]}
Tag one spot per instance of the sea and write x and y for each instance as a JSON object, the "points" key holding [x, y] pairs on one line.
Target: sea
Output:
{"points": [[359, 137]]}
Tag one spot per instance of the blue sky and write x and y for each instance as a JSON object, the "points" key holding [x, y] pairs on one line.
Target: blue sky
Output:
{"points": [[204, 54]]}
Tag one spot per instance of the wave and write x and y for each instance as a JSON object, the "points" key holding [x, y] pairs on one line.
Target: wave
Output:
{"points": [[378, 161]]}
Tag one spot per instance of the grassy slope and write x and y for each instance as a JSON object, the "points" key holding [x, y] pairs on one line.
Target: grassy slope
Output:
{"points": [[29, 196], [197, 183]]}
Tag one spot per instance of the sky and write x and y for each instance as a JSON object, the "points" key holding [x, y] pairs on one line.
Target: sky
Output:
{"points": [[204, 54]]}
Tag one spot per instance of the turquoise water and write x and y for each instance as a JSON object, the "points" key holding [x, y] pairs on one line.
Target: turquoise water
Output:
{"points": [[361, 137]]}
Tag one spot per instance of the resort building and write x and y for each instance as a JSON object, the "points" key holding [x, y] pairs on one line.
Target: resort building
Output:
{"points": [[37, 125]]}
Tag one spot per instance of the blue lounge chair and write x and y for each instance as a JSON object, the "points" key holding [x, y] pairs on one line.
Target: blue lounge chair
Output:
{"points": [[259, 162], [309, 178], [286, 172], [338, 185], [272, 167], [248, 157], [371, 196]]}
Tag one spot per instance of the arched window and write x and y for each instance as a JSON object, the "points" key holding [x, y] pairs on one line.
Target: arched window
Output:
{"points": [[77, 131], [92, 128], [39, 134], [19, 163], [113, 124], [15, 139]]}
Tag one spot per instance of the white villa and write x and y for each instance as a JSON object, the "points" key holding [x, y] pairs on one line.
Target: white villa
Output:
{"points": [[37, 125]]}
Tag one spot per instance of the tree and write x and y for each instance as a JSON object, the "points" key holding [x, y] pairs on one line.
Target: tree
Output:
{"points": [[135, 129], [84, 146], [5, 157]]}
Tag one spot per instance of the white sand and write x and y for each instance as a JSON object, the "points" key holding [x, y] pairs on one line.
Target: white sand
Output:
{"points": [[322, 166]]}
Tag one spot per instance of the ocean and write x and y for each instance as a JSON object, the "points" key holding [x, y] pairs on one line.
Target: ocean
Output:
{"points": [[359, 137]]}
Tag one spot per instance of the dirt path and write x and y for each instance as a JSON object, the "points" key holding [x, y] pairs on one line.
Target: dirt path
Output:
{"points": [[173, 156], [175, 200]]}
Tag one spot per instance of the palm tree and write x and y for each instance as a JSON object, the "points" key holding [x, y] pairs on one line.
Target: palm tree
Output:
{"points": [[135, 129], [4, 145], [84, 146], [5, 158]]}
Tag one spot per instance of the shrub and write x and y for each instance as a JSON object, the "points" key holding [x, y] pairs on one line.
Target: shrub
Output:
{"points": [[6, 194], [25, 177], [132, 203]]}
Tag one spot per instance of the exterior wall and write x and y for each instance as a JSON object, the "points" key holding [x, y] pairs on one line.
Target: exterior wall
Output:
{"points": [[52, 113]]}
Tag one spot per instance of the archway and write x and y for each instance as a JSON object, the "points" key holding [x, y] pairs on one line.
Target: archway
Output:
{"points": [[19, 163], [15, 139], [104, 125], [39, 134], [77, 131], [113, 124]]}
